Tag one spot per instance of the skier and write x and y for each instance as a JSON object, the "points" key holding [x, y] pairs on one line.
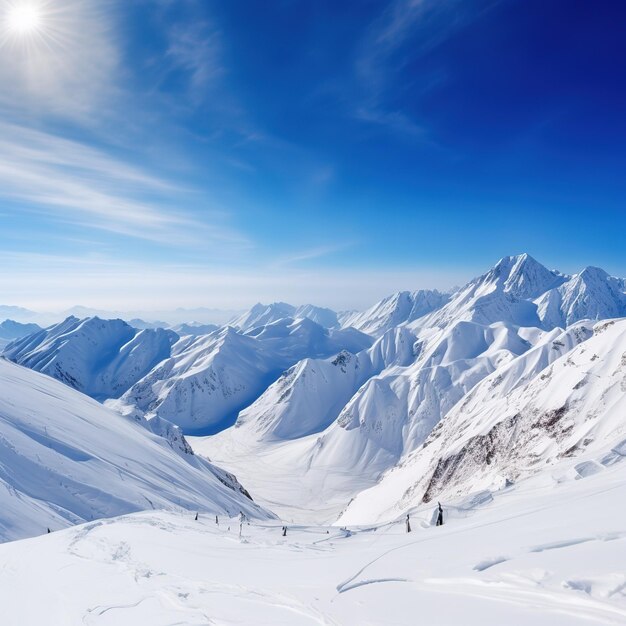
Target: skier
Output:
{"points": [[439, 515], [408, 524], [49, 531], [284, 531], [196, 517], [217, 521], [242, 519]]}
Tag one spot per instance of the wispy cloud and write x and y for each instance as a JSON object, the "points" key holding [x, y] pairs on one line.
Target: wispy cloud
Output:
{"points": [[310, 254], [403, 32], [82, 185], [196, 49]]}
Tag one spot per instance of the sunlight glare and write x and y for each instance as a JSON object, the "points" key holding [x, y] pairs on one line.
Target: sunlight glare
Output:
{"points": [[23, 19]]}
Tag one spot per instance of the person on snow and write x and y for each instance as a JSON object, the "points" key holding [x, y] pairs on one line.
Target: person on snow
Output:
{"points": [[196, 517], [217, 521], [439, 515], [242, 519], [408, 524], [284, 531]]}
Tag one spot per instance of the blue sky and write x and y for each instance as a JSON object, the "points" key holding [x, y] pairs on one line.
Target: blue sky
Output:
{"points": [[214, 153]]}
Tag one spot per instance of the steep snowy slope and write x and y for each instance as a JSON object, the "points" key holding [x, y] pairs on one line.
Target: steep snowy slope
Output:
{"points": [[523, 418], [591, 294], [310, 395], [208, 380], [401, 307], [101, 358], [394, 411], [503, 294], [65, 459]]}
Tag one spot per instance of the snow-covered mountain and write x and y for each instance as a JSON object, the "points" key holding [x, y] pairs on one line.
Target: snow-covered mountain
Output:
{"points": [[142, 324], [209, 379], [323, 316], [505, 400], [339, 424], [309, 396], [65, 459], [351, 424], [11, 330], [194, 328], [308, 414], [399, 308], [264, 314], [101, 358], [591, 294], [503, 294], [523, 418]]}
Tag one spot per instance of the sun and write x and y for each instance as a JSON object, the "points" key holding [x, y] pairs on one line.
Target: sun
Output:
{"points": [[27, 24], [24, 19]]}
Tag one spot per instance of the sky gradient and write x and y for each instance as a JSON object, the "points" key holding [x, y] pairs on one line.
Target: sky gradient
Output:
{"points": [[214, 153]]}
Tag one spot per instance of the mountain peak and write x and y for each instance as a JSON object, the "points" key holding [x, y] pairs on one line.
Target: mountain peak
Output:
{"points": [[523, 276], [592, 273]]}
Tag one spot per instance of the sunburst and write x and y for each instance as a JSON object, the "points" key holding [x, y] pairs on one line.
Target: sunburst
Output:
{"points": [[24, 19], [28, 24]]}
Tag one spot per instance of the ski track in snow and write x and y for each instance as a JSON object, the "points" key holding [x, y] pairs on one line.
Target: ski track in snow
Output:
{"points": [[164, 568]]}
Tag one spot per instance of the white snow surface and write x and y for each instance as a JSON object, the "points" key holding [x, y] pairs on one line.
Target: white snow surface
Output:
{"points": [[65, 459], [548, 404], [101, 358], [209, 379], [548, 552], [591, 294], [399, 308], [263, 314]]}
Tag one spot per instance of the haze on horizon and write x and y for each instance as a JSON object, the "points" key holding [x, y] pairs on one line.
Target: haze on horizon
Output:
{"points": [[156, 155]]}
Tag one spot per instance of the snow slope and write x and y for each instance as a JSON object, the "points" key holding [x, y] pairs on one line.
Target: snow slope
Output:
{"points": [[399, 308], [310, 395], [544, 553], [591, 294], [101, 358], [209, 379], [521, 419], [65, 459]]}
